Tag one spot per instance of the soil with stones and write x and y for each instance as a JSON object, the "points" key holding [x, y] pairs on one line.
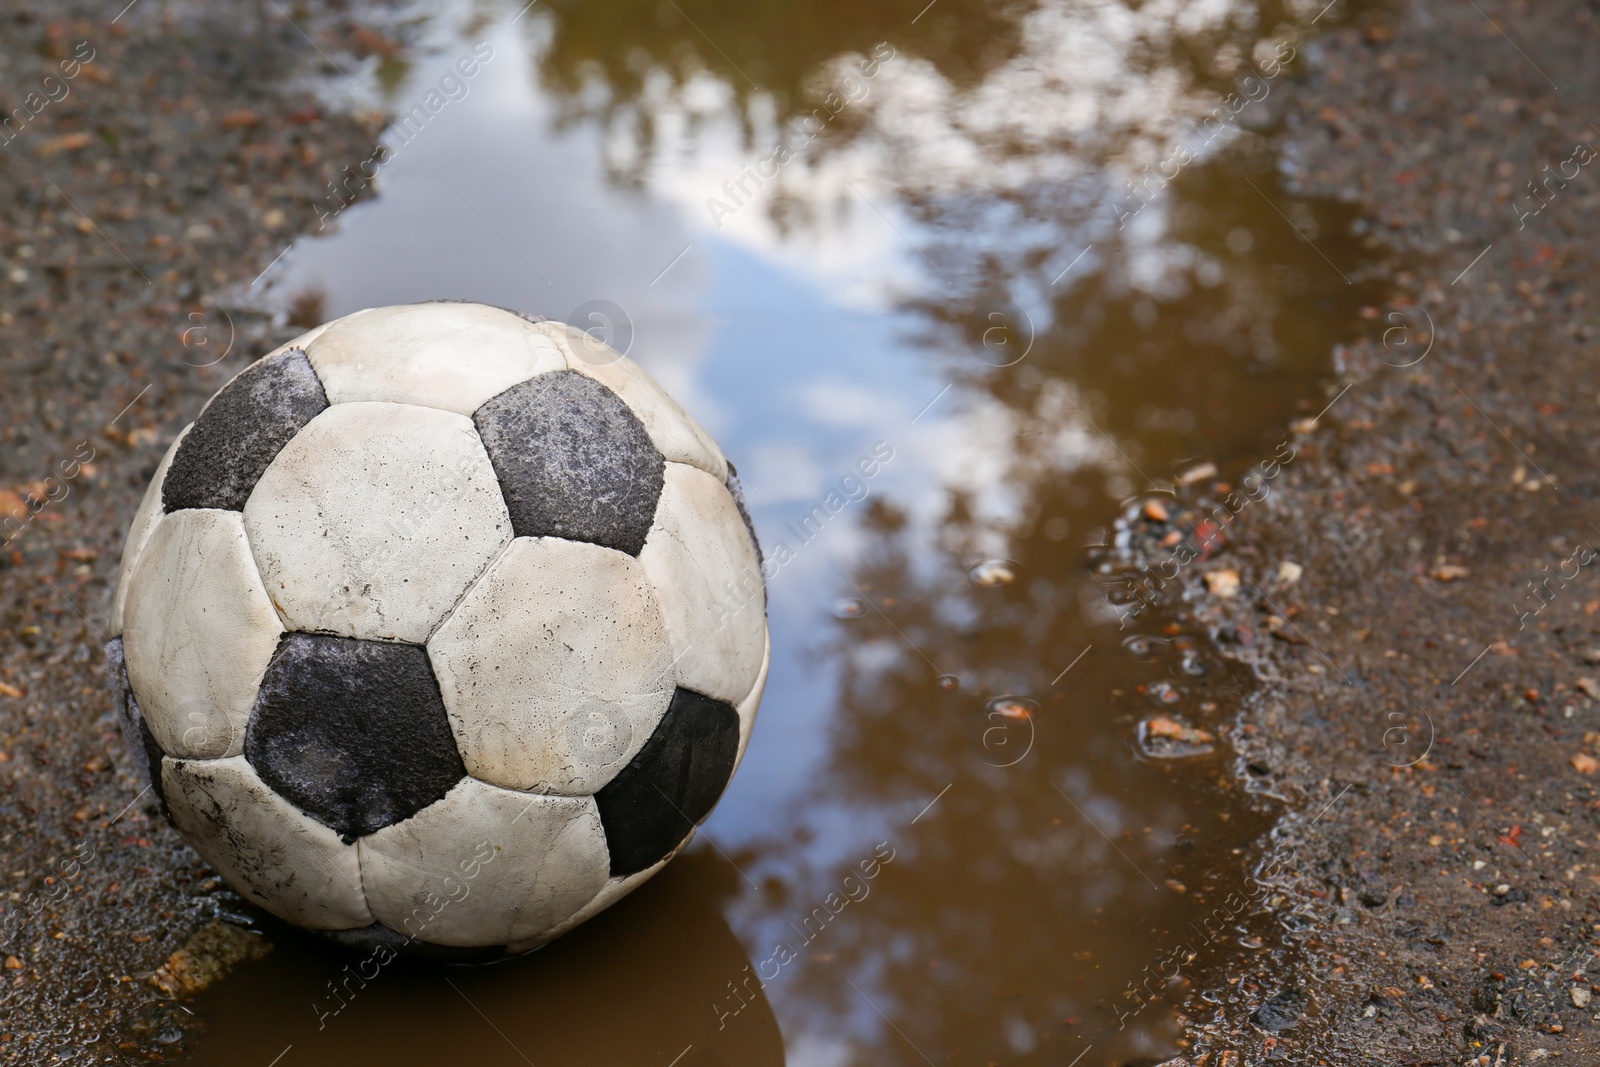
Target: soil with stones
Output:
{"points": [[167, 160], [1429, 715], [1430, 709]]}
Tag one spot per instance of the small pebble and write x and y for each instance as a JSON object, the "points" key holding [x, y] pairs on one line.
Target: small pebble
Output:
{"points": [[1010, 708], [1223, 583], [993, 572]]}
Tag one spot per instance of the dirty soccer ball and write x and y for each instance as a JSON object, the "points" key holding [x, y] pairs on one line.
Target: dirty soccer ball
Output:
{"points": [[440, 629]]}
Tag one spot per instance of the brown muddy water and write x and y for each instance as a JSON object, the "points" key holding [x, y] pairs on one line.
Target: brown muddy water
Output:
{"points": [[903, 240]]}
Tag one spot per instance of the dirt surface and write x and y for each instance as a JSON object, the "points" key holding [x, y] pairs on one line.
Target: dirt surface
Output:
{"points": [[1413, 909], [1432, 895], [175, 164]]}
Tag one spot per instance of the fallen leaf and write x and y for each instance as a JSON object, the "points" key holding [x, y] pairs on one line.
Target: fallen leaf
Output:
{"points": [[1209, 538], [69, 142], [1161, 726], [208, 956]]}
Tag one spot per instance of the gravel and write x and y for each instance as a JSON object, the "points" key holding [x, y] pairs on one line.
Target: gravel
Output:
{"points": [[1441, 898], [180, 162]]}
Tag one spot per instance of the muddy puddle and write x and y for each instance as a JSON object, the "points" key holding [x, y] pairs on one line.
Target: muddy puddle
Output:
{"points": [[955, 286]]}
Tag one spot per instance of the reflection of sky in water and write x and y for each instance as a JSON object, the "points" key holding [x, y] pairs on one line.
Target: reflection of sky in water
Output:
{"points": [[799, 344], [794, 379]]}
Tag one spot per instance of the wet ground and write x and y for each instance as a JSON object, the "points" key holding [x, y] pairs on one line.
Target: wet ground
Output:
{"points": [[1127, 669], [1429, 695]]}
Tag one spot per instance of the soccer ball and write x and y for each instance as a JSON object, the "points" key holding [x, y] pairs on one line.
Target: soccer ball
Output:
{"points": [[440, 628]]}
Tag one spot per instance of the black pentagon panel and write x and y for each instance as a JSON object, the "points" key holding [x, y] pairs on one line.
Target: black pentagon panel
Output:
{"points": [[381, 940], [241, 431], [737, 492], [573, 461], [354, 733], [141, 742], [673, 783]]}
